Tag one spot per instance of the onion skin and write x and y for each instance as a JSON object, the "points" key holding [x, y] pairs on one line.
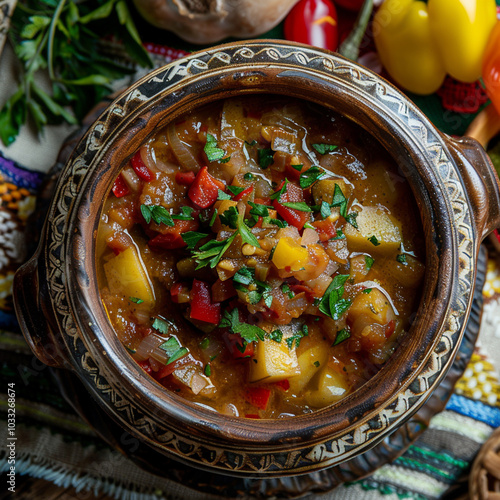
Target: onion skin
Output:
{"points": [[220, 18]]}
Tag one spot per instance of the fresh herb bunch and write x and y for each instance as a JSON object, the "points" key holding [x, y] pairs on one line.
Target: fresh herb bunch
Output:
{"points": [[63, 39]]}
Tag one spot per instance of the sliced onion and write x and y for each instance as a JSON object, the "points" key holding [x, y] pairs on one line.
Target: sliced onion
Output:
{"points": [[331, 268], [146, 347], [288, 232], [191, 377], [320, 284], [309, 236], [181, 151], [131, 178], [154, 164]]}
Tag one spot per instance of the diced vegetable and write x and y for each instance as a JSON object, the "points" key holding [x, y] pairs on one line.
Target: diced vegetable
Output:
{"points": [[323, 190], [258, 397], [202, 307], [140, 168], [120, 187], [273, 361], [127, 276], [310, 362], [331, 387], [204, 189], [290, 255], [378, 232], [185, 178], [292, 194]]}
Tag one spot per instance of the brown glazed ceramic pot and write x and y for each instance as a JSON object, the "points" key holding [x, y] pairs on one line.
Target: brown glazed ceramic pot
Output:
{"points": [[58, 303]]}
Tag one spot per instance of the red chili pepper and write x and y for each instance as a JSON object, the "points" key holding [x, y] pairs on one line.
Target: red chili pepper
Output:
{"points": [[244, 193], [204, 189], [140, 168], [491, 66], [171, 236], [294, 217], [313, 22], [258, 397], [120, 187], [202, 307], [185, 178]]}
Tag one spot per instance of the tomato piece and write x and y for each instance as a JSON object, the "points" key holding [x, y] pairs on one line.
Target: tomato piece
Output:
{"points": [[120, 187], [326, 229], [258, 397], [185, 178], [294, 217], [140, 168], [313, 22], [202, 307], [244, 193], [204, 189], [171, 236]]}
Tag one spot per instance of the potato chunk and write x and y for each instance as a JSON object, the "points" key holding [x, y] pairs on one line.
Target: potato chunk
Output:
{"points": [[378, 232], [310, 362], [332, 387], [273, 362], [127, 276], [323, 190]]}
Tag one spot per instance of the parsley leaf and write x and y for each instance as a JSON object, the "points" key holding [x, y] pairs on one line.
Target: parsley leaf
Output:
{"points": [[245, 275], [324, 148], [258, 209], [235, 190], [351, 219], [265, 158], [369, 262], [173, 349], [211, 253], [157, 213], [276, 335], [191, 238], [213, 152], [249, 333], [223, 196], [136, 300], [340, 235], [277, 194], [230, 217], [339, 200], [160, 325], [302, 206], [342, 335], [325, 210], [332, 304], [310, 176], [297, 337], [185, 214], [401, 258], [374, 241]]}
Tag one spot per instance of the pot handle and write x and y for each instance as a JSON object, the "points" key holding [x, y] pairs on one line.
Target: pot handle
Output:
{"points": [[481, 182], [28, 293]]}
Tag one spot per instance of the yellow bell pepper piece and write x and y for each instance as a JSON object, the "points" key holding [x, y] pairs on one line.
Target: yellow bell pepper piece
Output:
{"points": [[289, 254], [419, 43]]}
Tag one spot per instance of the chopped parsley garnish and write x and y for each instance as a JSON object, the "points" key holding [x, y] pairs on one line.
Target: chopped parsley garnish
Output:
{"points": [[279, 223], [296, 338], [374, 241], [208, 370], [235, 190], [223, 196], [185, 214], [258, 209], [298, 167], [135, 300], [210, 253], [173, 349], [367, 290], [205, 343], [369, 262], [325, 210], [286, 289], [342, 335], [277, 195], [245, 277], [213, 152], [160, 325], [192, 238], [212, 220], [339, 200], [401, 258], [276, 335], [249, 333], [316, 364], [310, 176], [324, 148], [332, 304], [302, 206], [351, 219], [265, 158], [340, 235], [157, 213]]}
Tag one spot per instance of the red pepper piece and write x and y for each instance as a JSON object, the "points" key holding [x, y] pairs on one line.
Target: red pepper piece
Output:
{"points": [[202, 307], [171, 236], [283, 385], [185, 178], [244, 193], [313, 22], [120, 187], [294, 217], [204, 189], [326, 229], [176, 290], [235, 345], [167, 370], [140, 168], [258, 397]]}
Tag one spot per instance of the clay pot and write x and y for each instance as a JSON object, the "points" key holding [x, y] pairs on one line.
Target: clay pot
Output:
{"points": [[57, 299]]}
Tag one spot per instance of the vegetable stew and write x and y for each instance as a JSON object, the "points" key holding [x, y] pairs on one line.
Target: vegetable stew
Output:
{"points": [[260, 256]]}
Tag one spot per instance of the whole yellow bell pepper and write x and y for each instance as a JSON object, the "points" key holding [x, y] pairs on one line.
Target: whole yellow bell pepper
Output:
{"points": [[419, 43]]}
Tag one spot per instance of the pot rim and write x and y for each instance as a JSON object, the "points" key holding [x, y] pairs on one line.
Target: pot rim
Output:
{"points": [[267, 435]]}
